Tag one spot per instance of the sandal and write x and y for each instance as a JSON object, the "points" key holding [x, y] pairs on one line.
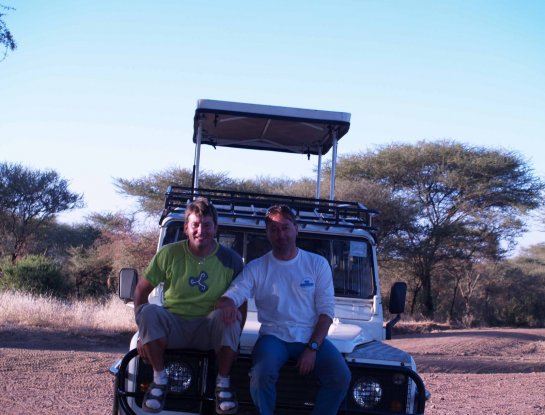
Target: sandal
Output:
{"points": [[157, 393], [225, 396]]}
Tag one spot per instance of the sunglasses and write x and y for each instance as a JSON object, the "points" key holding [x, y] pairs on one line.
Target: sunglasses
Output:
{"points": [[283, 210]]}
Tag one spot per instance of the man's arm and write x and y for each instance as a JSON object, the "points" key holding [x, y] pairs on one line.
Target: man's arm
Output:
{"points": [[229, 310], [325, 305], [243, 313], [142, 290], [321, 328], [307, 359]]}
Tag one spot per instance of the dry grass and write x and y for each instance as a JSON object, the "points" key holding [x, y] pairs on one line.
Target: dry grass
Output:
{"points": [[111, 317], [409, 326], [28, 310]]}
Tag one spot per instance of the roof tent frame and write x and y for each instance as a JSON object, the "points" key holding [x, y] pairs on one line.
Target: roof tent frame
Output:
{"points": [[269, 128]]}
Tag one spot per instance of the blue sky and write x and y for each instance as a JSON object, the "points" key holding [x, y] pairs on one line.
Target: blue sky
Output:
{"points": [[104, 89]]}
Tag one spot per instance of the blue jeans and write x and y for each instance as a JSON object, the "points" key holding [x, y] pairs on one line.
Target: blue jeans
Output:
{"points": [[271, 353]]}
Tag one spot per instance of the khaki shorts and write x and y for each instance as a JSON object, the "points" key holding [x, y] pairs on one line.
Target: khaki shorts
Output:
{"points": [[202, 333]]}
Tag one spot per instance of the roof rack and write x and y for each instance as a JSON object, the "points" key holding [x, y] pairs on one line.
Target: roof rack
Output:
{"points": [[239, 204]]}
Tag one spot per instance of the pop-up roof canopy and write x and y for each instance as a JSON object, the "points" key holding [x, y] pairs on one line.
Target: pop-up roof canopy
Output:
{"points": [[269, 128]]}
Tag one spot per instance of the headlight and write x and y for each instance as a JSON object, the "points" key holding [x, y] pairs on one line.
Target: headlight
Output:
{"points": [[179, 376], [367, 392]]}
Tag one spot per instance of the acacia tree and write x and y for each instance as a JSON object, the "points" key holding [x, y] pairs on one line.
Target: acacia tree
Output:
{"points": [[150, 190], [6, 38], [28, 200], [121, 244], [453, 201]]}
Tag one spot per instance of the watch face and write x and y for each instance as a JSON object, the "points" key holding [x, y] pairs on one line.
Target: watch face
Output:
{"points": [[314, 345]]}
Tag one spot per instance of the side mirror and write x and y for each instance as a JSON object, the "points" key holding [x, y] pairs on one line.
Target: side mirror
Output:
{"points": [[396, 306], [128, 277], [398, 294]]}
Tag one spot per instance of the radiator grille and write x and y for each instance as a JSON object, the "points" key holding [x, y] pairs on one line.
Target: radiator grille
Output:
{"points": [[293, 391]]}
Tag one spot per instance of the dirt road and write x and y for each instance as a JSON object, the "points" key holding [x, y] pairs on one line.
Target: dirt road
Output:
{"points": [[492, 371], [467, 372]]}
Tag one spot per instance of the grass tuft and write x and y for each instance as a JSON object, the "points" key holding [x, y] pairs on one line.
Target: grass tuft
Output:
{"points": [[409, 326]]}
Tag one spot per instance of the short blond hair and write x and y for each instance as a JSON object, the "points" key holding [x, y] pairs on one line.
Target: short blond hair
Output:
{"points": [[201, 207]]}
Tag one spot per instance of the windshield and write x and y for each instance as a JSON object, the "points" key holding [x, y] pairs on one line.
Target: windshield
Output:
{"points": [[351, 261]]}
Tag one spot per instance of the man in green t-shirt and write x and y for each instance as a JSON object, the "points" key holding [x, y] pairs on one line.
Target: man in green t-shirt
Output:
{"points": [[195, 273]]}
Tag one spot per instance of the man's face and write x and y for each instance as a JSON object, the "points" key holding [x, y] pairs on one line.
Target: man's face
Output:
{"points": [[281, 232], [200, 231]]}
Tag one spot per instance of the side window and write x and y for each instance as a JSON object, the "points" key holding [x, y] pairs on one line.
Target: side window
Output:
{"points": [[233, 240], [351, 264], [248, 245], [174, 232], [318, 246], [256, 246], [352, 269]]}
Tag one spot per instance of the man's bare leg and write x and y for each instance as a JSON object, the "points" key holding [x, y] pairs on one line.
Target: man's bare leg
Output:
{"points": [[155, 353]]}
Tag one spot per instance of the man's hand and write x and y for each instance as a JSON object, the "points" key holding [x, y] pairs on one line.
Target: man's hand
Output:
{"points": [[229, 312], [306, 361]]}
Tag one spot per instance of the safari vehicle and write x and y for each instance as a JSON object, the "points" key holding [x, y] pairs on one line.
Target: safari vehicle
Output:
{"points": [[384, 379]]}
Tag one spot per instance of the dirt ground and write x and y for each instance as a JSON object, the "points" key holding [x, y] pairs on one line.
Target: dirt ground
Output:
{"points": [[487, 371], [492, 371]]}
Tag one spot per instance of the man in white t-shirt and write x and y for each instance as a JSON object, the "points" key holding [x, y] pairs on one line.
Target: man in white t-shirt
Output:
{"points": [[293, 292]]}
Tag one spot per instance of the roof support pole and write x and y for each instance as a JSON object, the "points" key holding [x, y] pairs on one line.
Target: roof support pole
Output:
{"points": [[319, 174], [197, 161], [333, 133]]}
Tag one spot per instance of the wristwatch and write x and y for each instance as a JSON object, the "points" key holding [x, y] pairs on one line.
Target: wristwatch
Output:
{"points": [[313, 345]]}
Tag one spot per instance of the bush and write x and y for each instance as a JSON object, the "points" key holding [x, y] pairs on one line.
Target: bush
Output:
{"points": [[35, 274]]}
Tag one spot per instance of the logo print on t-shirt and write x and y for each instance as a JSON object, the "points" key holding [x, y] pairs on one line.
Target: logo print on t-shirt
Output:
{"points": [[199, 281], [307, 284]]}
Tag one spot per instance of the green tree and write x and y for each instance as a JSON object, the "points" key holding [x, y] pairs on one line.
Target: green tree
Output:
{"points": [[29, 199], [6, 38], [150, 190], [452, 201], [54, 239]]}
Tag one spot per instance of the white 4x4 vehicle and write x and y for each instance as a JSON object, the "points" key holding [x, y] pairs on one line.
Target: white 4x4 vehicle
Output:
{"points": [[384, 379]]}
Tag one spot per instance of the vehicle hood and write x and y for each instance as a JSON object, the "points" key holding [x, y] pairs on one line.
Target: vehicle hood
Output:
{"points": [[378, 352], [346, 337]]}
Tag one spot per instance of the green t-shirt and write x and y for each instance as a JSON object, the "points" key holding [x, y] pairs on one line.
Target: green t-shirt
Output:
{"points": [[192, 286]]}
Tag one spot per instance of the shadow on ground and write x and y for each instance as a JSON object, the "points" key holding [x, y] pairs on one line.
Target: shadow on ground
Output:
{"points": [[43, 338]]}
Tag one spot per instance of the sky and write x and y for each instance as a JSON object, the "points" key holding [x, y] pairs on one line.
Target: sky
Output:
{"points": [[106, 89]]}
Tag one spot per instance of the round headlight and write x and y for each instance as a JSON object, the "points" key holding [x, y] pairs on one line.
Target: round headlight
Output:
{"points": [[179, 376], [367, 392]]}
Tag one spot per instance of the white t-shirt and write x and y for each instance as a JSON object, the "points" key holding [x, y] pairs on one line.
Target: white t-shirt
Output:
{"points": [[289, 295]]}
